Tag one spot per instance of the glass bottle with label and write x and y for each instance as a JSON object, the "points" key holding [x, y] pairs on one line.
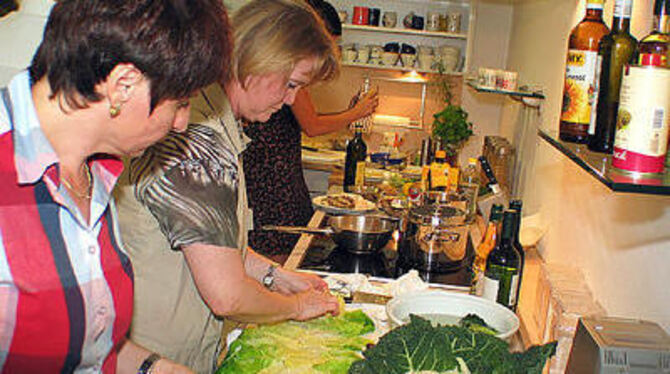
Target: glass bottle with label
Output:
{"points": [[489, 241], [515, 207], [503, 267], [616, 49], [469, 185], [580, 72], [439, 172], [654, 49], [354, 163]]}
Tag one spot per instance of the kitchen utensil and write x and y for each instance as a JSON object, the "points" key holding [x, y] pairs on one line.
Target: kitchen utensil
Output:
{"points": [[357, 234], [449, 307], [436, 238]]}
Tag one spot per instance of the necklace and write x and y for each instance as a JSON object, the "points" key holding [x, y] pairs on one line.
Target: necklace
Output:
{"points": [[89, 186]]}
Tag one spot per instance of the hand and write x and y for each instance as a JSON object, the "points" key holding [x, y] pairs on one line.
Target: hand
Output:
{"points": [[312, 304], [366, 105], [289, 282]]}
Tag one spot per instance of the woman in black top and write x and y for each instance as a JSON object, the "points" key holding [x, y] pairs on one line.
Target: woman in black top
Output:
{"points": [[276, 185]]}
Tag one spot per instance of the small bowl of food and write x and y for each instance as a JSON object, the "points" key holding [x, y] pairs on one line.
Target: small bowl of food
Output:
{"points": [[454, 308]]}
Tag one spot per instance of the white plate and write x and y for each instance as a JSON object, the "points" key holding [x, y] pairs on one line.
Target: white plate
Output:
{"points": [[362, 205]]}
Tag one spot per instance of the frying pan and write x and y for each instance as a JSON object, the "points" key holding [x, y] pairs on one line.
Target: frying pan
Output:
{"points": [[355, 233]]}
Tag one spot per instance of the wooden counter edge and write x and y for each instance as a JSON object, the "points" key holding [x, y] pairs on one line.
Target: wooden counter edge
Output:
{"points": [[298, 252]]}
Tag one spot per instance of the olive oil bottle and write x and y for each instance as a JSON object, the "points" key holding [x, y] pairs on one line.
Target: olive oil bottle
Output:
{"points": [[580, 74], [616, 49]]}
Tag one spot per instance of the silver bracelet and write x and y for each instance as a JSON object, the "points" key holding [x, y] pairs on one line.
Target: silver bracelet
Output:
{"points": [[148, 363]]}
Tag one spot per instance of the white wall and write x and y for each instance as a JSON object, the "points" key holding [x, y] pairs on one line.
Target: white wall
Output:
{"points": [[20, 34], [620, 241]]}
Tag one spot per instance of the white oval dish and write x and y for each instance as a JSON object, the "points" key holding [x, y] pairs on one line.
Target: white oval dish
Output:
{"points": [[454, 304]]}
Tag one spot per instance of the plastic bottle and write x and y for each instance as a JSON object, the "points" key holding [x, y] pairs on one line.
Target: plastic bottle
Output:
{"points": [[469, 185]]}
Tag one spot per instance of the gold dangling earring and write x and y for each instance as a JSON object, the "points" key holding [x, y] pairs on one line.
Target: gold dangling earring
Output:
{"points": [[114, 111]]}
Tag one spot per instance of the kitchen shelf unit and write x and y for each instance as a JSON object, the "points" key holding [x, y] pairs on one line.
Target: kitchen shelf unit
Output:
{"points": [[400, 30], [599, 165], [380, 35], [398, 67]]}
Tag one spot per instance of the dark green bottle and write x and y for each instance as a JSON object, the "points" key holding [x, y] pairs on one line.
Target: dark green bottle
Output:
{"points": [[354, 163], [515, 207], [615, 50], [502, 267]]}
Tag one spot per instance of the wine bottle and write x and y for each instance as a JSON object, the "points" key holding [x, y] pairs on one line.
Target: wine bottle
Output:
{"points": [[502, 267], [489, 240], [515, 206], [580, 72], [616, 49], [493, 182], [654, 49], [354, 163]]}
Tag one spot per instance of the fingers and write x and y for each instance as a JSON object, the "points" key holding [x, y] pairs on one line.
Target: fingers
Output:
{"points": [[313, 304]]}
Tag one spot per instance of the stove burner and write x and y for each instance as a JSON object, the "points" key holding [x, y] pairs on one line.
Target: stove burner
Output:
{"points": [[324, 255]]}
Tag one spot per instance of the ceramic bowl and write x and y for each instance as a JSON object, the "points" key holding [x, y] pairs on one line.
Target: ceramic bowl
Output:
{"points": [[450, 307]]}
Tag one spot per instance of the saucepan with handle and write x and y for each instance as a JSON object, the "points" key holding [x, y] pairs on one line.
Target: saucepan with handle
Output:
{"points": [[359, 234]]}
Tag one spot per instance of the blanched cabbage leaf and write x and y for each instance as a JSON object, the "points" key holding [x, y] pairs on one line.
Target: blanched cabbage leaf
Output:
{"points": [[419, 346], [323, 345]]}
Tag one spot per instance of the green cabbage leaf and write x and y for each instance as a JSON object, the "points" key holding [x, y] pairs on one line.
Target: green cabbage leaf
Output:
{"points": [[324, 345], [419, 346]]}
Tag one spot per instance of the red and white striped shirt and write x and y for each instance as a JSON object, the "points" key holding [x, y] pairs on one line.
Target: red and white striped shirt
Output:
{"points": [[66, 287]]}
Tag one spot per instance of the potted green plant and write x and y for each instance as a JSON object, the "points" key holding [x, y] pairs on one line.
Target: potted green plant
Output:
{"points": [[451, 125]]}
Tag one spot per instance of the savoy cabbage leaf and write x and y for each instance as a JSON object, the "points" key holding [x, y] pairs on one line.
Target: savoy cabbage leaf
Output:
{"points": [[419, 346]]}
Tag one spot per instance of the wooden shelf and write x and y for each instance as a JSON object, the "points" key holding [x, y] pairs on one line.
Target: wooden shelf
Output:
{"points": [[397, 67], [599, 165], [399, 30]]}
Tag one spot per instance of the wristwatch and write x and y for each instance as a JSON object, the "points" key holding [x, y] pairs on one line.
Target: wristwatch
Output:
{"points": [[269, 278]]}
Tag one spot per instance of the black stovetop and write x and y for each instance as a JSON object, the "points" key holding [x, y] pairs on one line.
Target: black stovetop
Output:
{"points": [[391, 262]]}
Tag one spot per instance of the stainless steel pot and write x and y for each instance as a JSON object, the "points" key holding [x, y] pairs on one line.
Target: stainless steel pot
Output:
{"points": [[355, 233], [436, 238]]}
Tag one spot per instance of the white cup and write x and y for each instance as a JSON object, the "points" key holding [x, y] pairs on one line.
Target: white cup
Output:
{"points": [[349, 55], [425, 61], [408, 59], [449, 63], [389, 58], [363, 55], [433, 21], [425, 49]]}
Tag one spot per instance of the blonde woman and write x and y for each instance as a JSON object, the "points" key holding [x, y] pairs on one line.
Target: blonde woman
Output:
{"points": [[184, 214]]}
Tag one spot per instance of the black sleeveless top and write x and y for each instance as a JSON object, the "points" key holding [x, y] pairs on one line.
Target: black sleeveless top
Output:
{"points": [[276, 186]]}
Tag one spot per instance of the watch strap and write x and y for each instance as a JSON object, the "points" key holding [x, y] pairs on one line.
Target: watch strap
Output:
{"points": [[148, 363]]}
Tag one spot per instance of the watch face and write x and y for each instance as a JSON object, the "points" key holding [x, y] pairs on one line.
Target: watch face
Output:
{"points": [[267, 280]]}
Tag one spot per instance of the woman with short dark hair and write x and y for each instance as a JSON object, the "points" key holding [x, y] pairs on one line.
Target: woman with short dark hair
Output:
{"points": [[109, 78]]}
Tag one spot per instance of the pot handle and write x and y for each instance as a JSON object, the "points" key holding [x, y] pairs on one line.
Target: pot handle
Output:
{"points": [[298, 229]]}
